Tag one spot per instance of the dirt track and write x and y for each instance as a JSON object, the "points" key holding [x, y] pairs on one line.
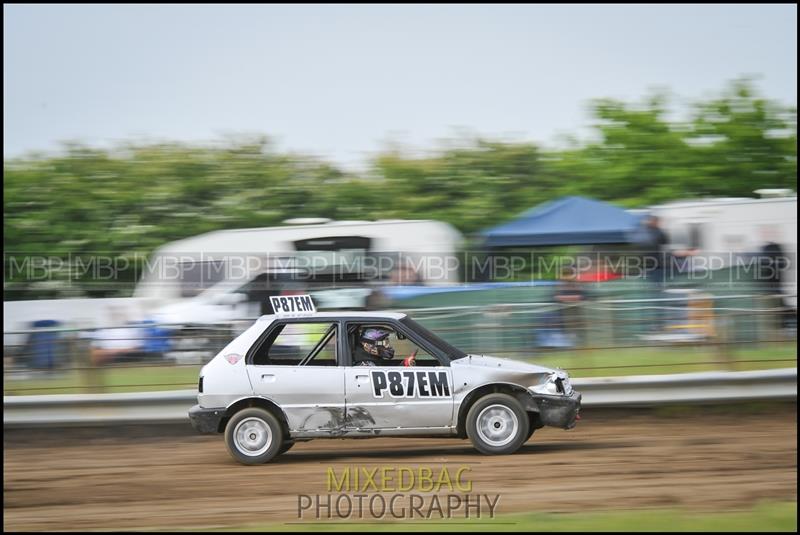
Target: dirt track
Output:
{"points": [[607, 462]]}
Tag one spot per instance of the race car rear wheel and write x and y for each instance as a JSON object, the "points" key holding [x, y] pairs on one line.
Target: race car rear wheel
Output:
{"points": [[286, 447], [497, 424], [253, 436]]}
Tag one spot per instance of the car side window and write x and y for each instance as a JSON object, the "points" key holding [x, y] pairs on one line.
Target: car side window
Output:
{"points": [[299, 343], [325, 352], [403, 347]]}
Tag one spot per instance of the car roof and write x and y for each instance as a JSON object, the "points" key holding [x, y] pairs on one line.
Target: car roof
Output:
{"points": [[342, 314]]}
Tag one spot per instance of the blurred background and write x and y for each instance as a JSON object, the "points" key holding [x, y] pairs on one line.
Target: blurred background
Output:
{"points": [[608, 189]]}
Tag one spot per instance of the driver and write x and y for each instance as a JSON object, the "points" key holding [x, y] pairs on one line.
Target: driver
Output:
{"points": [[374, 348]]}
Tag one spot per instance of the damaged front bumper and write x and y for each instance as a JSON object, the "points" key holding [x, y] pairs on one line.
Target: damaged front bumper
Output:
{"points": [[206, 420], [559, 411]]}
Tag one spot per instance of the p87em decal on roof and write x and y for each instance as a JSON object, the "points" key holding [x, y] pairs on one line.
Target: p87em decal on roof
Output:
{"points": [[410, 384], [292, 305]]}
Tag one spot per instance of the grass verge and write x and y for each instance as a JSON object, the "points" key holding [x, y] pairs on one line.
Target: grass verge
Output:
{"points": [[588, 363], [764, 517]]}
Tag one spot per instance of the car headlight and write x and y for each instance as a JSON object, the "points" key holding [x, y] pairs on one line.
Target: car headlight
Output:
{"points": [[555, 384], [565, 384]]}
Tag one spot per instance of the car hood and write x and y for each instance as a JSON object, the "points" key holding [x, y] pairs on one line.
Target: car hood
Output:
{"points": [[482, 369], [484, 361]]}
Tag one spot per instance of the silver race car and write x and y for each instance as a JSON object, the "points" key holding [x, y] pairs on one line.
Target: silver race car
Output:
{"points": [[300, 374]]}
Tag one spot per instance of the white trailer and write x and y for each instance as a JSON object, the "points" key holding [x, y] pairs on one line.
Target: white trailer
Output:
{"points": [[317, 249], [724, 231]]}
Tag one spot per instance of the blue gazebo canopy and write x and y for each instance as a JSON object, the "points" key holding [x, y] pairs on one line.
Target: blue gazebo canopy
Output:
{"points": [[567, 221]]}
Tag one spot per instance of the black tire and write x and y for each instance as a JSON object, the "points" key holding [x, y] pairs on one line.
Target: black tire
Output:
{"points": [[533, 425], [261, 443], [503, 426], [531, 430], [286, 446]]}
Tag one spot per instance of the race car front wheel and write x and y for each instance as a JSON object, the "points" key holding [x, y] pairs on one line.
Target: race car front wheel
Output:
{"points": [[254, 436], [497, 424]]}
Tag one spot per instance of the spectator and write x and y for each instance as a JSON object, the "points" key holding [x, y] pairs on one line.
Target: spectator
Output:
{"points": [[563, 327], [571, 295], [772, 261], [655, 261], [115, 342], [772, 265], [655, 252], [44, 345]]}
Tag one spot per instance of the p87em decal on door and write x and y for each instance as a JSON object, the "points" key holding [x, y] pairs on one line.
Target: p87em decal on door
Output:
{"points": [[411, 384]]}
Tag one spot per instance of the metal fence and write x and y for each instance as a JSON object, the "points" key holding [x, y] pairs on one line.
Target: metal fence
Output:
{"points": [[681, 331], [536, 327], [638, 391]]}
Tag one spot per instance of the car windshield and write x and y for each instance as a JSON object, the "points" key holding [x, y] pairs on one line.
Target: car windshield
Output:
{"points": [[451, 351]]}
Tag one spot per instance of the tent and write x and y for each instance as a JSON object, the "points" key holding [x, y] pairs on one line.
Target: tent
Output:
{"points": [[568, 221]]}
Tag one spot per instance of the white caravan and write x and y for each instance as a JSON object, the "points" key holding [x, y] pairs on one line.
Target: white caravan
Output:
{"points": [[729, 230], [227, 274]]}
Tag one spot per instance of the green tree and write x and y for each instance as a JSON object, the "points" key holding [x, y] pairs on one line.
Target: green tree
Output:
{"points": [[127, 201]]}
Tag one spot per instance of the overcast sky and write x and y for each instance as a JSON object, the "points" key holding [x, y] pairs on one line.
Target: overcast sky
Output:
{"points": [[343, 81]]}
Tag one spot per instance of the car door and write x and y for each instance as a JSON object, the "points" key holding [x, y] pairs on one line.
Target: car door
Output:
{"points": [[296, 365], [418, 398]]}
